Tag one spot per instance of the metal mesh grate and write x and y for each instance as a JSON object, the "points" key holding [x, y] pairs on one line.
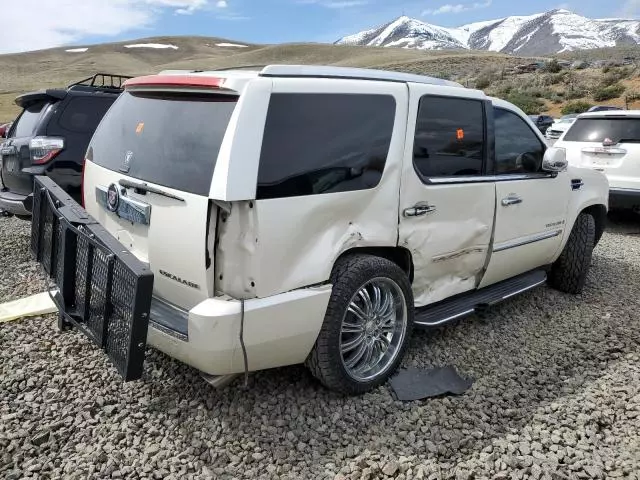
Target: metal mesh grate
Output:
{"points": [[103, 289], [82, 267], [98, 313], [35, 223], [47, 239], [59, 270], [122, 299]]}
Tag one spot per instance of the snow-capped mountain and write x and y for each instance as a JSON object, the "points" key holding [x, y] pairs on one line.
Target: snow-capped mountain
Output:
{"points": [[550, 32]]}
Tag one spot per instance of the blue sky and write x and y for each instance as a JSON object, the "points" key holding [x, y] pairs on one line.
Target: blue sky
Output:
{"points": [[262, 21]]}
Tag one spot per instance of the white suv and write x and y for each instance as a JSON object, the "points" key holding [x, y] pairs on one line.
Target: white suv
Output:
{"points": [[608, 141], [301, 214]]}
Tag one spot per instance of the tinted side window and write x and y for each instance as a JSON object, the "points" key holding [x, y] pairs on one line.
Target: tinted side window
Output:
{"points": [[28, 121], [449, 138], [324, 143], [83, 114], [518, 149]]}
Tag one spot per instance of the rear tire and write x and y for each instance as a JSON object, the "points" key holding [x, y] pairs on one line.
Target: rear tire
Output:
{"points": [[367, 325], [569, 273]]}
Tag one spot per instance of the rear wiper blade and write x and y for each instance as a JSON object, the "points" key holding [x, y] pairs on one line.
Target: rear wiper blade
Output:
{"points": [[629, 140], [143, 187]]}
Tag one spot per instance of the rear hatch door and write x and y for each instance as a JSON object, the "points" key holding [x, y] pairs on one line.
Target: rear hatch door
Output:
{"points": [[608, 143], [15, 154], [147, 179]]}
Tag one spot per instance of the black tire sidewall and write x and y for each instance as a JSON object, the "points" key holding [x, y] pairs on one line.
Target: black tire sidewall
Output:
{"points": [[347, 278]]}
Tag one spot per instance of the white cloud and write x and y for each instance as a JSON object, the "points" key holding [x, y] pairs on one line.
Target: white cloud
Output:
{"points": [[222, 4], [62, 22], [335, 4], [457, 8]]}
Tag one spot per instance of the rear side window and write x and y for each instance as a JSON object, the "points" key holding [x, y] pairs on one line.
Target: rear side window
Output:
{"points": [[28, 120], [170, 139], [83, 114], [599, 129], [324, 143], [449, 138]]}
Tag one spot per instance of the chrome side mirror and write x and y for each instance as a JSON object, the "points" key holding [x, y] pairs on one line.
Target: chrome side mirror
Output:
{"points": [[554, 160]]}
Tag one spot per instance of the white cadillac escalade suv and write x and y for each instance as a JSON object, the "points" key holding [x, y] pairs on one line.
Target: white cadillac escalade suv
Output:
{"points": [[241, 220]]}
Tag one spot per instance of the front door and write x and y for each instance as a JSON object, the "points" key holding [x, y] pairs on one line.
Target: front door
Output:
{"points": [[531, 205], [446, 203]]}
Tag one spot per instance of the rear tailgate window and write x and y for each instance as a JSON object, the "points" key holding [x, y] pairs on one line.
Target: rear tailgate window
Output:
{"points": [[599, 129], [167, 138]]}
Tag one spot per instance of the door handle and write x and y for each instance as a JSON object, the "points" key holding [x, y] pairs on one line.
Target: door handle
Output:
{"points": [[419, 210], [512, 199]]}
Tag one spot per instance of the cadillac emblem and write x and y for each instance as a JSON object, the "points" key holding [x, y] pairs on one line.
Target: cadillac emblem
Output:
{"points": [[113, 198]]}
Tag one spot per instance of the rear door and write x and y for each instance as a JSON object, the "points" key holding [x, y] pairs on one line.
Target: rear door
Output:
{"points": [[147, 179], [609, 143], [447, 202]]}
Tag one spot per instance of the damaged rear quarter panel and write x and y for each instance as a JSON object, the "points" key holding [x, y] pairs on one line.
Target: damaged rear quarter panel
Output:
{"points": [[297, 240]]}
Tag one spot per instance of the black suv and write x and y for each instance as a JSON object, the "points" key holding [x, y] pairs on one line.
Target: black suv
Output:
{"points": [[543, 122], [50, 137]]}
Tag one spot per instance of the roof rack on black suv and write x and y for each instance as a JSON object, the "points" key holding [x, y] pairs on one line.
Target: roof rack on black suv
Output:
{"points": [[108, 81], [50, 137]]}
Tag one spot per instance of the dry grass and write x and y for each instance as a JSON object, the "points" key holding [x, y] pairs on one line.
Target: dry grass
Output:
{"points": [[56, 67]]}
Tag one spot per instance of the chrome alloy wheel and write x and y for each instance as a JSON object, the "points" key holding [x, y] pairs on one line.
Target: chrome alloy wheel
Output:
{"points": [[373, 329]]}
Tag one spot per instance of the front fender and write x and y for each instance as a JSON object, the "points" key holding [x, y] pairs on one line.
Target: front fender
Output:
{"points": [[594, 192]]}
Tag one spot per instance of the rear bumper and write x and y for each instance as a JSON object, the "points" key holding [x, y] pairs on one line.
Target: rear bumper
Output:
{"points": [[279, 330], [624, 197], [16, 203]]}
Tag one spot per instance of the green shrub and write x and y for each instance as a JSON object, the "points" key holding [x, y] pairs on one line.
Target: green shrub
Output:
{"points": [[607, 93], [575, 107], [573, 93], [614, 75], [483, 82], [530, 104], [557, 78], [632, 96], [552, 67]]}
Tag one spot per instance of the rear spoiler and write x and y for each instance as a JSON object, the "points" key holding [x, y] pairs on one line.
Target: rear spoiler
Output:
{"points": [[28, 99]]}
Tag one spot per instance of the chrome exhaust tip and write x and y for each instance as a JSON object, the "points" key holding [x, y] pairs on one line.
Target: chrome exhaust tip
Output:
{"points": [[219, 381]]}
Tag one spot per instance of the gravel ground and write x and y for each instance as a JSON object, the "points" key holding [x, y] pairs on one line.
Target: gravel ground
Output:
{"points": [[556, 396]]}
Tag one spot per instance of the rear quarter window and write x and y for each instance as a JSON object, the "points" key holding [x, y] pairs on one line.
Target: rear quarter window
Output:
{"points": [[599, 129], [316, 143], [28, 120], [83, 114]]}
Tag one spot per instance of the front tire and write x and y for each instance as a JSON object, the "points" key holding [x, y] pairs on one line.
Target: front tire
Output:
{"points": [[367, 325], [569, 273]]}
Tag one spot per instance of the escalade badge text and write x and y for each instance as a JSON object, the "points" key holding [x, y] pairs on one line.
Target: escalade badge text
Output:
{"points": [[180, 280], [113, 198]]}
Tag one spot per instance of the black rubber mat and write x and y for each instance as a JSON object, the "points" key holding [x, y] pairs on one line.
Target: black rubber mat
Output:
{"points": [[418, 383]]}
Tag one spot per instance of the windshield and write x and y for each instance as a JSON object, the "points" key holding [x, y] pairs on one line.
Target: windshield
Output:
{"points": [[28, 121], [167, 138], [599, 129]]}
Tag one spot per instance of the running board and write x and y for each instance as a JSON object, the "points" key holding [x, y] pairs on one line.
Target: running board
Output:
{"points": [[467, 303]]}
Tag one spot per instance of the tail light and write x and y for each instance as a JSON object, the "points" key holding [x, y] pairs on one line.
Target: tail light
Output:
{"points": [[43, 149]]}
